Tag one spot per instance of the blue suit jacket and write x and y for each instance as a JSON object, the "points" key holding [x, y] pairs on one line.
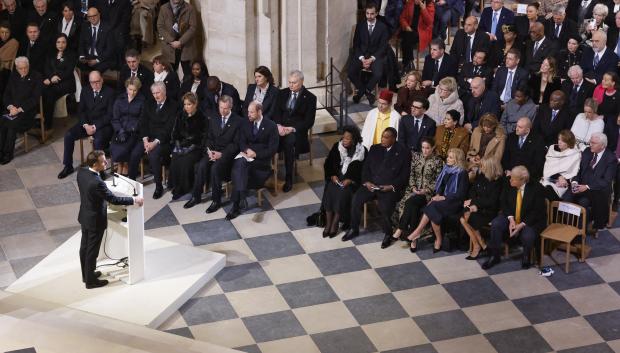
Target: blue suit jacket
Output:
{"points": [[608, 62], [486, 21]]}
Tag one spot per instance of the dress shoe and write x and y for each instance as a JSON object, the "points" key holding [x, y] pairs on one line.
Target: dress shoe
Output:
{"points": [[357, 97], [96, 284], [191, 203], [214, 206], [234, 213], [159, 192], [525, 262], [65, 172], [492, 261], [350, 234], [97, 275], [388, 239], [413, 248], [288, 186], [6, 160], [371, 98], [326, 233]]}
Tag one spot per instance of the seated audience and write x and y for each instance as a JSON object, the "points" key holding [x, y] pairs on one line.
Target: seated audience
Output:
{"points": [[522, 215], [607, 95], [587, 123], [415, 126], [523, 147], [258, 142], [569, 56], [538, 49], [577, 90], [214, 90], [94, 114], [8, 46], [294, 113], [16, 17], [510, 77], [186, 152], [450, 192], [545, 81], [44, 18], [343, 176], [561, 165], [196, 81], [156, 124], [524, 23], [58, 78], [163, 72], [596, 23], [416, 29], [410, 90], [552, 118], [384, 178], [478, 67], [560, 28], [487, 141], [521, 105], [34, 48], [499, 50], [591, 187], [70, 25], [437, 65], [450, 135], [126, 114], [379, 118], [598, 59], [96, 48], [482, 101], [21, 100], [425, 168], [445, 98], [482, 204], [264, 91], [134, 68], [468, 41]]}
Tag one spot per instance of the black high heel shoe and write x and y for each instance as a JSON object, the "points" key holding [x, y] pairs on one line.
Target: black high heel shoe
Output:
{"points": [[326, 233], [413, 249], [435, 250]]}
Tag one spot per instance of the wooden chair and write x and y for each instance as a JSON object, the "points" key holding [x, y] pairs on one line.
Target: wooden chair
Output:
{"points": [[566, 221], [40, 116], [163, 171], [92, 147]]}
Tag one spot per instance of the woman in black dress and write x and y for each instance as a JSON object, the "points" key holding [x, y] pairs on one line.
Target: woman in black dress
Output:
{"points": [[126, 114], [196, 82], [58, 77], [483, 203], [607, 95], [545, 81], [343, 173], [569, 56], [499, 49], [186, 138], [450, 193], [163, 72]]}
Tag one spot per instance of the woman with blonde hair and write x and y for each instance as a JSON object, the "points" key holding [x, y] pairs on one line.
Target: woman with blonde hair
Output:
{"points": [[450, 192], [587, 123], [545, 81], [408, 92], [446, 97], [483, 203]]}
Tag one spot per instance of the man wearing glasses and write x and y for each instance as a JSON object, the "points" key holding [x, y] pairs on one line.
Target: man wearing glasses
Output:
{"points": [[413, 127], [96, 48]]}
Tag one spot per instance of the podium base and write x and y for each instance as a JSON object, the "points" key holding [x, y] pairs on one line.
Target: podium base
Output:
{"points": [[174, 273]]}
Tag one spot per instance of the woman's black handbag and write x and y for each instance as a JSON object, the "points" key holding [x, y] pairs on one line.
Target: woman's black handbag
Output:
{"points": [[317, 219]]}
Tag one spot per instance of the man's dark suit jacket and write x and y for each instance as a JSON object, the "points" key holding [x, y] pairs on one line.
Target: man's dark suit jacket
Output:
{"points": [[23, 93], [94, 198], [609, 62], [612, 37], [104, 45], [486, 21], [519, 79], [210, 102], [96, 111], [144, 75], [409, 137], [265, 143], [383, 167], [457, 51], [549, 130], [531, 155], [269, 102], [17, 21], [568, 30], [186, 86], [574, 6], [370, 45], [159, 125], [301, 117], [533, 210], [173, 85], [585, 91], [224, 140], [73, 40], [467, 72], [533, 60], [448, 68], [36, 54], [117, 15], [601, 178], [47, 24], [490, 103]]}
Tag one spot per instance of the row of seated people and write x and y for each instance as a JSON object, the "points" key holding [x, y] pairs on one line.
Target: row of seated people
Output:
{"points": [[495, 183]]}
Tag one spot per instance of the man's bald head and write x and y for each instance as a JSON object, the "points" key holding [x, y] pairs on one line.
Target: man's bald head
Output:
{"points": [[471, 25], [537, 31]]}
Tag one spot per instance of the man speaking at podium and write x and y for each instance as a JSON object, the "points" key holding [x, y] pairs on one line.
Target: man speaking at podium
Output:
{"points": [[94, 195]]}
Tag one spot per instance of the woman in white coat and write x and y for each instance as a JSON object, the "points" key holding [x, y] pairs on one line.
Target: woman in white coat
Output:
{"points": [[561, 165], [446, 97]]}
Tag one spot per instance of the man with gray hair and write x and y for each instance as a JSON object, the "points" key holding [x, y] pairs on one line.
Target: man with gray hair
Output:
{"points": [[45, 18], [591, 187], [577, 90], [559, 28], [598, 59], [16, 17]]}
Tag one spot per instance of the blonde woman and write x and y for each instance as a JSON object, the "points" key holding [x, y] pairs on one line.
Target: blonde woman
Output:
{"points": [[408, 92], [545, 81], [446, 97]]}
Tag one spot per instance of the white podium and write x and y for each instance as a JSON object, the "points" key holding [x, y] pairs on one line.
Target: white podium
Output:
{"points": [[125, 239]]}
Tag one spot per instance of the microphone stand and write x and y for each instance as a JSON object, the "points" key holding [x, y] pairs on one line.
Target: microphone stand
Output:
{"points": [[135, 193]]}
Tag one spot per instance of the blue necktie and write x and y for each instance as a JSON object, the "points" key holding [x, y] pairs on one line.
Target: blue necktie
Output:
{"points": [[494, 23], [508, 91], [255, 129], [223, 123], [554, 113], [596, 60], [521, 141]]}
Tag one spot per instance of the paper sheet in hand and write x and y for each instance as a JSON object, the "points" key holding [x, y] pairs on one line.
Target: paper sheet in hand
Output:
{"points": [[242, 156], [522, 9], [9, 117]]}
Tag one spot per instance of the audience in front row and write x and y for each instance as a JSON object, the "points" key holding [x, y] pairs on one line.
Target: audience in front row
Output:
{"points": [[126, 114]]}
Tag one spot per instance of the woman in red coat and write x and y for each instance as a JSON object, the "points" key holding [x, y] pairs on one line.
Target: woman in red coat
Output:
{"points": [[417, 14]]}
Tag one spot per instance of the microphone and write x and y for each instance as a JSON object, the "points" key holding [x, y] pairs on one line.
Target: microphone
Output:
{"points": [[113, 180], [135, 193]]}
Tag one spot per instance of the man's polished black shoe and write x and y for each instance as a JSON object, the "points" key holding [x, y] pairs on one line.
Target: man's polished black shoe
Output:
{"points": [[97, 275], [65, 172], [6, 160], [214, 206], [371, 98], [350, 234], [288, 186], [234, 213], [492, 261], [357, 97], [159, 192], [191, 203], [96, 284], [388, 239]]}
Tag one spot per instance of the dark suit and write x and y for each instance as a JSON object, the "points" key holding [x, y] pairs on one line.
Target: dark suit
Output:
{"points": [[251, 175], [448, 68], [186, 86], [103, 46], [476, 107], [575, 101], [269, 103], [301, 117], [91, 111], [577, 13], [459, 45], [216, 139], [46, 23], [36, 53], [155, 124], [522, 24], [548, 129], [409, 136], [173, 85], [568, 30], [382, 167], [143, 74], [599, 180], [73, 40], [566, 59], [531, 154], [608, 62], [519, 79], [612, 37], [547, 48], [367, 45], [63, 68], [469, 71], [486, 21], [93, 218], [210, 101], [17, 21]]}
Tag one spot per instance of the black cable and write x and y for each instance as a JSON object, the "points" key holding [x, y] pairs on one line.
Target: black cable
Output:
{"points": [[124, 260]]}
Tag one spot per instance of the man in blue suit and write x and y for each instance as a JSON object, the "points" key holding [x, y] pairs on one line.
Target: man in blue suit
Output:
{"points": [[482, 101], [510, 73], [494, 17], [596, 61]]}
